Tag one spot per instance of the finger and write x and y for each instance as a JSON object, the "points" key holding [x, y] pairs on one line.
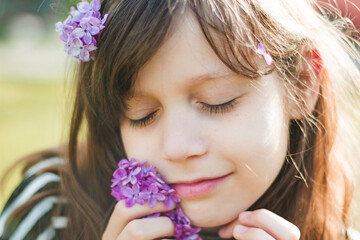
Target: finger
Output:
{"points": [[148, 228], [227, 230], [122, 215], [273, 224], [248, 233]]}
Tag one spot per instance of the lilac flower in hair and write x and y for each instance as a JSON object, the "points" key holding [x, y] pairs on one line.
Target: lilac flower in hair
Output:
{"points": [[64, 29], [79, 29], [136, 182], [261, 50], [78, 50]]}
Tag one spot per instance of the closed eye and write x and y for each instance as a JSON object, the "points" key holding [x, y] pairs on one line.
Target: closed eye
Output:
{"points": [[220, 108], [143, 121], [212, 109]]}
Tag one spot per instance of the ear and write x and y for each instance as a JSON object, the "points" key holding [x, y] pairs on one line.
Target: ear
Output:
{"points": [[308, 86]]}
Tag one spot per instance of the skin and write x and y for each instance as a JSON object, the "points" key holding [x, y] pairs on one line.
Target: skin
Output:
{"points": [[185, 142]]}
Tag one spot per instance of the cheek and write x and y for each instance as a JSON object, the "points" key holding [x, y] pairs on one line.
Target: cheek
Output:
{"points": [[129, 139], [255, 140], [135, 143], [142, 144]]}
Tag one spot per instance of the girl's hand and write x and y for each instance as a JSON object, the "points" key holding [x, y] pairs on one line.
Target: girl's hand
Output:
{"points": [[260, 224], [124, 223]]}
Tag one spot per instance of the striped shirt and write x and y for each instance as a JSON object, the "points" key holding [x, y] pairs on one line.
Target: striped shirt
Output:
{"points": [[39, 222]]}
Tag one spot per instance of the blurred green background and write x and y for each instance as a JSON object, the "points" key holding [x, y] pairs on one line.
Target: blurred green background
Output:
{"points": [[34, 104]]}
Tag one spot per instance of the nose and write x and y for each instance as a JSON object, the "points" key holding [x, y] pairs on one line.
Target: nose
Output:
{"points": [[182, 138]]}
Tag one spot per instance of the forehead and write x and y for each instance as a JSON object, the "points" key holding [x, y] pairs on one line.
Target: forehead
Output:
{"points": [[185, 54]]}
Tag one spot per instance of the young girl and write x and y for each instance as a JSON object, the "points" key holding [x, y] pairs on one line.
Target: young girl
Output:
{"points": [[248, 109]]}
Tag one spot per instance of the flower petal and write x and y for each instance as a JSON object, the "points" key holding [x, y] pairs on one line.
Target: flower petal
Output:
{"points": [[77, 16], [140, 201], [261, 49], [127, 191], [95, 5], [84, 23], [268, 59], [72, 10], [104, 18], [133, 180], [126, 181], [87, 38], [174, 198], [152, 202], [74, 51], [94, 21], [78, 33], [115, 195], [68, 21], [75, 42], [59, 27], [169, 203], [159, 196], [68, 29], [64, 37], [115, 182], [136, 171], [94, 30], [129, 202], [153, 188], [136, 188], [96, 14], [144, 195], [123, 162], [83, 7], [153, 215], [84, 55]]}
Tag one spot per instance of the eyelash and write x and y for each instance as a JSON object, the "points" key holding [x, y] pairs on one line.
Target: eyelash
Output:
{"points": [[212, 109]]}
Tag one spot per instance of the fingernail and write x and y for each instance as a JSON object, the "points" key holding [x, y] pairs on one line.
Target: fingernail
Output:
{"points": [[239, 229], [245, 215]]}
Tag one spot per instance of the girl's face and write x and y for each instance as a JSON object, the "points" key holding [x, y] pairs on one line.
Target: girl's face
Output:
{"points": [[187, 139]]}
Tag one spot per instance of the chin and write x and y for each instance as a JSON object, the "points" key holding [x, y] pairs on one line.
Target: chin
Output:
{"points": [[205, 222], [207, 217]]}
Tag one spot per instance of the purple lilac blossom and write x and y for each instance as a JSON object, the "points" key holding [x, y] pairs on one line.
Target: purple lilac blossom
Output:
{"points": [[79, 29], [132, 195], [262, 51], [136, 182], [153, 195]]}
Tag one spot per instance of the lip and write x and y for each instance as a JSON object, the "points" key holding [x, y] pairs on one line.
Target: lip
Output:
{"points": [[197, 188]]}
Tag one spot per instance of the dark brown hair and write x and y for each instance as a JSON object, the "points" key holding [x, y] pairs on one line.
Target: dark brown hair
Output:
{"points": [[314, 188]]}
